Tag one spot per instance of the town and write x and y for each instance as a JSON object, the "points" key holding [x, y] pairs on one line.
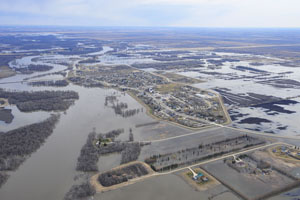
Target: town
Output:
{"points": [[166, 100]]}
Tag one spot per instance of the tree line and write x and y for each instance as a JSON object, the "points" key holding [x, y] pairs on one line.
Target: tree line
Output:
{"points": [[40, 100]]}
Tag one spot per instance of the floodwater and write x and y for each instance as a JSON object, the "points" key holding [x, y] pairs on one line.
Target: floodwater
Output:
{"points": [[22, 119], [48, 173], [280, 123]]}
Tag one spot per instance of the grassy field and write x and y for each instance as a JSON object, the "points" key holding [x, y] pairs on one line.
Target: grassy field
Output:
{"points": [[168, 87]]}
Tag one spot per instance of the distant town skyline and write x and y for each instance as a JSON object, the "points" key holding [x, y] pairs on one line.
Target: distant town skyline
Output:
{"points": [[171, 13]]}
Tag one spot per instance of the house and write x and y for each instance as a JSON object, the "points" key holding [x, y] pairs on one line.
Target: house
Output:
{"points": [[199, 175], [204, 178]]}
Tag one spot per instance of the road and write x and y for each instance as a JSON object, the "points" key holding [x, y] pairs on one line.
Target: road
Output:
{"points": [[194, 173]]}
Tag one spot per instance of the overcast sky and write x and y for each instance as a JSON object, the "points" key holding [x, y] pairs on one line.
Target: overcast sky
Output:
{"points": [[187, 13]]}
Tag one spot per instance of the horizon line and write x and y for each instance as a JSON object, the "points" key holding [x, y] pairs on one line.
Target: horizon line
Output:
{"points": [[138, 26]]}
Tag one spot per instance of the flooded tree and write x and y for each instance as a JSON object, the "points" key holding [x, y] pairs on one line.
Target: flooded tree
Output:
{"points": [[131, 138], [131, 152], [40, 100], [88, 158], [81, 191], [3, 178], [16, 145]]}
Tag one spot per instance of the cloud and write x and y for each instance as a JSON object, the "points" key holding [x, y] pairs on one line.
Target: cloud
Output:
{"points": [[208, 13]]}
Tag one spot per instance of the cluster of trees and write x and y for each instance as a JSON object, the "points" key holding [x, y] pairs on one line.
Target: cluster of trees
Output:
{"points": [[40, 100], [119, 107], [171, 65], [86, 82], [62, 73], [202, 152], [81, 191], [89, 61], [3, 178], [109, 179], [6, 58], [110, 99], [76, 80], [17, 144], [88, 158], [113, 134], [131, 138], [147, 124], [34, 68], [131, 152], [57, 104], [122, 174], [80, 50], [12, 162], [89, 154], [40, 68], [15, 97], [115, 147], [6, 115], [58, 83], [129, 113]]}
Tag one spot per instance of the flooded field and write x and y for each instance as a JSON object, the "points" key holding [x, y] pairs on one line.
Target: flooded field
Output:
{"points": [[241, 76]]}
